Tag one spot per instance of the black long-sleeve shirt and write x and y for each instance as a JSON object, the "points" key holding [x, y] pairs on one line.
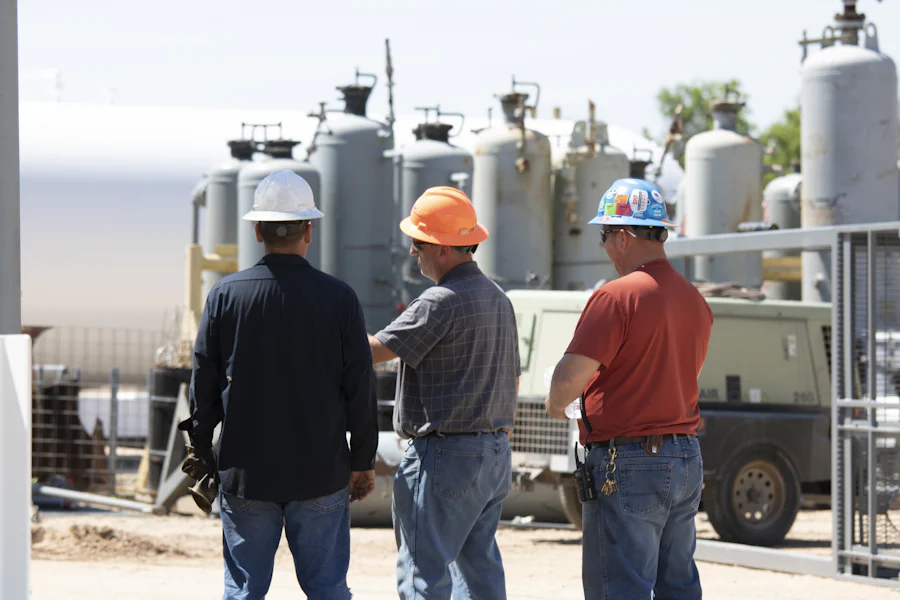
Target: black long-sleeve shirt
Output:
{"points": [[282, 360]]}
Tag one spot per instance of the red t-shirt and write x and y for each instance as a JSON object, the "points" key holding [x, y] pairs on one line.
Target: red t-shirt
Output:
{"points": [[649, 331]]}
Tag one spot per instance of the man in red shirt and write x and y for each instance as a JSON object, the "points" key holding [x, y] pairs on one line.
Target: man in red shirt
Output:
{"points": [[634, 359]]}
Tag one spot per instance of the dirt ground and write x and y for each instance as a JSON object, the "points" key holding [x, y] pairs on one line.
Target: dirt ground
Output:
{"points": [[100, 555]]}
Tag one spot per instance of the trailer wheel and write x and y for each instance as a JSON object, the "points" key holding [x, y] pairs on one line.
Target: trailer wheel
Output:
{"points": [[756, 500], [568, 496]]}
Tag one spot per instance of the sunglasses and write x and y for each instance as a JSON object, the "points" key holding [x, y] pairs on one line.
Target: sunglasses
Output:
{"points": [[607, 232], [418, 244]]}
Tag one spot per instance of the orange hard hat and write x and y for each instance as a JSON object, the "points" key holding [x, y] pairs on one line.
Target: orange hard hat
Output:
{"points": [[444, 215]]}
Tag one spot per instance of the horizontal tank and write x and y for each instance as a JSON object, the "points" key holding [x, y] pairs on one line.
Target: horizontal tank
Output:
{"points": [[221, 219], [511, 194], [429, 162], [591, 166], [722, 189], [848, 128], [781, 206], [352, 155], [279, 156]]}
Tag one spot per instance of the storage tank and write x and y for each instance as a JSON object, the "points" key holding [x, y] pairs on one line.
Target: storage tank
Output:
{"points": [[352, 155], [511, 194], [280, 156], [429, 162], [221, 218], [722, 189], [781, 206], [591, 166], [848, 129]]}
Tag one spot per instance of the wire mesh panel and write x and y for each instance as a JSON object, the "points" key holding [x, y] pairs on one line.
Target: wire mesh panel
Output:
{"points": [[866, 377], [90, 407], [535, 432]]}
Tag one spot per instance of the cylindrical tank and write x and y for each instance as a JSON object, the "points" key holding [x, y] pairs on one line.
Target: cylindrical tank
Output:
{"points": [[723, 188], [591, 167], [511, 194], [222, 205], [848, 140], [781, 206], [250, 251], [431, 161], [352, 156]]}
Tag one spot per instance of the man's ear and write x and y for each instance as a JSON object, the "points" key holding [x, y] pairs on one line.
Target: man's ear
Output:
{"points": [[258, 234], [308, 235]]}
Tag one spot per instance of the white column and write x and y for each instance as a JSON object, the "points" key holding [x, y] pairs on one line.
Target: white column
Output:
{"points": [[10, 281], [15, 465]]}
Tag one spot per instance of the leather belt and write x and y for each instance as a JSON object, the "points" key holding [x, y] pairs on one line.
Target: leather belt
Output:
{"points": [[454, 433], [645, 440]]}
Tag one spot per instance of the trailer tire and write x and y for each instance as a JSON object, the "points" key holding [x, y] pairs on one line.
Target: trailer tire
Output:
{"points": [[756, 500], [571, 505]]}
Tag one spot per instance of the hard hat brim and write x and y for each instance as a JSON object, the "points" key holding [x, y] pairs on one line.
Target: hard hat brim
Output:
{"points": [[476, 236], [276, 216], [616, 220]]}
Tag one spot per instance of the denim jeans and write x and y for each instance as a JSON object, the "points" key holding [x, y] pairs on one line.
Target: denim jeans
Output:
{"points": [[318, 534], [642, 537], [446, 507]]}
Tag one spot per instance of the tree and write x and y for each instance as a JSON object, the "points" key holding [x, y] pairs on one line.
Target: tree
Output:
{"points": [[696, 115], [782, 139]]}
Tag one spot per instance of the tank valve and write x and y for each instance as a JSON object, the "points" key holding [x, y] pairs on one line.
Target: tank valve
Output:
{"points": [[522, 164]]}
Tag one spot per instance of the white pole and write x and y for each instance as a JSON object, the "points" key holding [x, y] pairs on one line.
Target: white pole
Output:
{"points": [[15, 464], [15, 349], [10, 282]]}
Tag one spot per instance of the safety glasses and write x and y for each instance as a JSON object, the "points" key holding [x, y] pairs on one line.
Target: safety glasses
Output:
{"points": [[607, 232], [418, 244]]}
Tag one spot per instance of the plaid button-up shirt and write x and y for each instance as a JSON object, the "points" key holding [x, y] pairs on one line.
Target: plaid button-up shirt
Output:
{"points": [[459, 349]]}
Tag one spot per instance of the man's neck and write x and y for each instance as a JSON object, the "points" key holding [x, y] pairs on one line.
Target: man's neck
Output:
{"points": [[650, 255], [301, 252], [462, 260]]}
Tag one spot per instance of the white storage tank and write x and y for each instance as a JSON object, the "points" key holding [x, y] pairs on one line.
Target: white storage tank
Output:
{"points": [[781, 206], [511, 194], [590, 168], [722, 189], [848, 128]]}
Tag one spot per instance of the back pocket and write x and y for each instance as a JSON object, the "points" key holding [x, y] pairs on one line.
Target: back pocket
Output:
{"points": [[456, 473], [644, 488]]}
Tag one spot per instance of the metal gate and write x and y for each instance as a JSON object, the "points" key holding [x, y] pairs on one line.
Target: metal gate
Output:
{"points": [[866, 411]]}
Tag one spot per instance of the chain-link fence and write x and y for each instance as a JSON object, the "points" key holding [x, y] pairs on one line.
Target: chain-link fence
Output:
{"points": [[91, 407]]}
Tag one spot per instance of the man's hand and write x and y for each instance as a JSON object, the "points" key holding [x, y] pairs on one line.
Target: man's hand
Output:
{"points": [[199, 462], [554, 411], [362, 483]]}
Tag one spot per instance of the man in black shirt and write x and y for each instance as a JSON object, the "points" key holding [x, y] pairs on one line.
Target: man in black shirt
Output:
{"points": [[282, 361]]}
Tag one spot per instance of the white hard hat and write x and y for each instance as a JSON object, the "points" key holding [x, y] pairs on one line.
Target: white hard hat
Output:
{"points": [[283, 196]]}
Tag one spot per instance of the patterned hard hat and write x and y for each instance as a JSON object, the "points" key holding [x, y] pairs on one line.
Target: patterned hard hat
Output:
{"points": [[635, 202]]}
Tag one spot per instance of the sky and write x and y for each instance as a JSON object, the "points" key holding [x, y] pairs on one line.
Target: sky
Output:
{"points": [[286, 54], [280, 55]]}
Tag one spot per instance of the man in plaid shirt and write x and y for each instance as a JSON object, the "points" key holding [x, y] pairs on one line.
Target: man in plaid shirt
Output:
{"points": [[458, 345]]}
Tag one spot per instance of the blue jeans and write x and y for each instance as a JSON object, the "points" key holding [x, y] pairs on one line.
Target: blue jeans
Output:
{"points": [[446, 507], [318, 534], [642, 537]]}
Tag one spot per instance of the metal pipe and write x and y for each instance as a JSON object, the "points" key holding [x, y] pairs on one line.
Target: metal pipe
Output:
{"points": [[10, 269], [870, 389], [113, 428], [86, 498]]}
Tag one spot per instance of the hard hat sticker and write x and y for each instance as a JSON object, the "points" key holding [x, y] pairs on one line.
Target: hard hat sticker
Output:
{"points": [[656, 196], [656, 211], [611, 193], [623, 210], [622, 195], [639, 201], [610, 209]]}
